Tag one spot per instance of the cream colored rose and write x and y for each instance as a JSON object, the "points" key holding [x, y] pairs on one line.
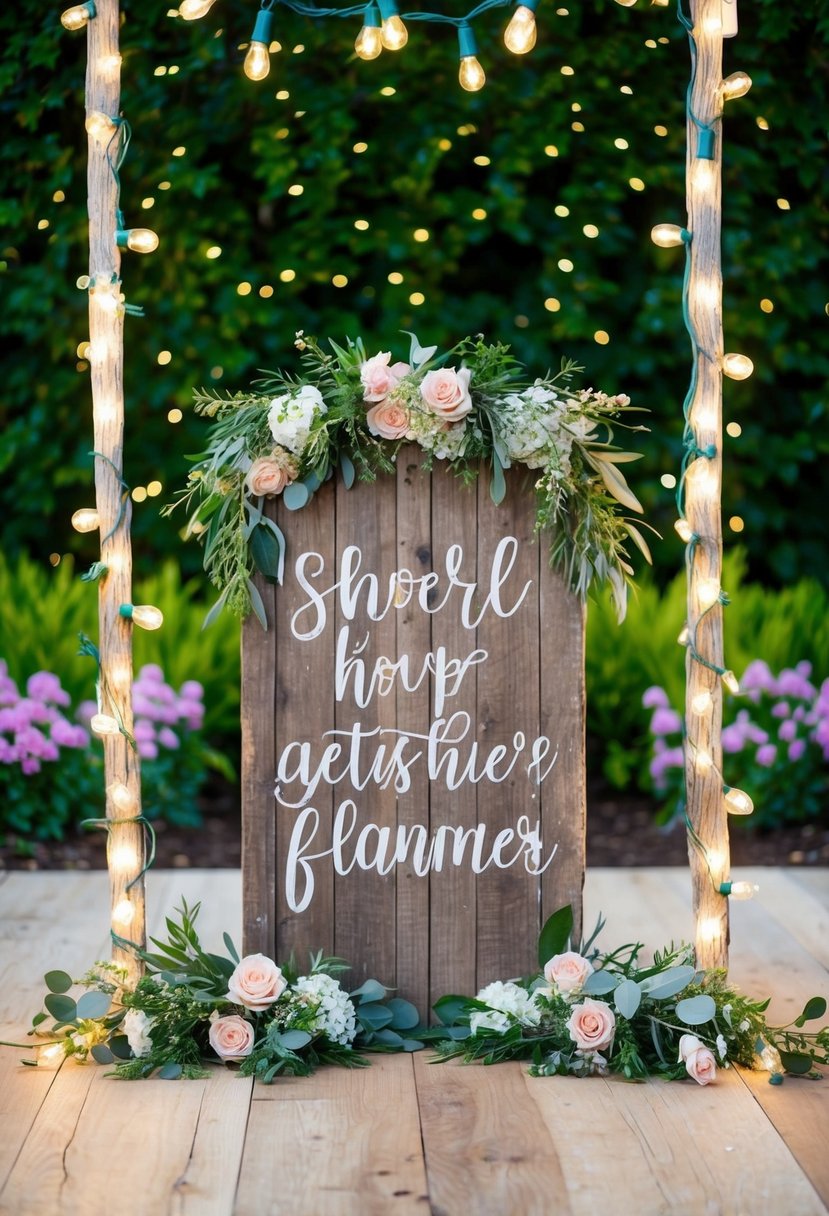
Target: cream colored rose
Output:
{"points": [[231, 1037], [687, 1044], [567, 972], [378, 377], [446, 392], [269, 476], [388, 420], [256, 983], [701, 1066], [592, 1025]]}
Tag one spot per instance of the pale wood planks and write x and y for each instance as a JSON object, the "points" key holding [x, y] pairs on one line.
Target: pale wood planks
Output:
{"points": [[340, 1144], [259, 682]]}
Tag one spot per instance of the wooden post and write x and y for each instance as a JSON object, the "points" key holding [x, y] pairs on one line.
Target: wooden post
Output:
{"points": [[703, 705], [125, 850]]}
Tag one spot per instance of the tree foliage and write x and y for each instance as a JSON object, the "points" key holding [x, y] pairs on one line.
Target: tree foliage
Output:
{"points": [[504, 184]]}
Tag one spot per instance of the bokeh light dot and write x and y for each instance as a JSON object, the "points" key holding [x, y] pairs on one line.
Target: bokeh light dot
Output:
{"points": [[154, 488], [552, 304], [551, 150], [287, 276], [565, 264], [736, 523], [244, 289], [562, 210], [417, 298], [620, 142], [395, 277], [479, 214], [590, 230], [767, 305], [164, 357], [668, 481], [361, 225], [139, 494], [215, 251], [636, 183], [734, 430], [174, 415], [340, 280], [266, 291], [602, 337]]}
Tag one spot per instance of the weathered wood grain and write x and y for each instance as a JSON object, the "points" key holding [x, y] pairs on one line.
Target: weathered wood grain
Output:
{"points": [[259, 689]]}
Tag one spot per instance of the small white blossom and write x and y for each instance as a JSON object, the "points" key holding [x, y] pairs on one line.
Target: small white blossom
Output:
{"points": [[722, 1047], [292, 415], [508, 1004], [137, 1026], [336, 1016]]}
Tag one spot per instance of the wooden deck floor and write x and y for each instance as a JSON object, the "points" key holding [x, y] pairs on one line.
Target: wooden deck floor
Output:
{"points": [[403, 1136]]}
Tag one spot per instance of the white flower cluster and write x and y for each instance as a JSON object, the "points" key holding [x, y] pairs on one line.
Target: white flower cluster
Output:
{"points": [[336, 1016], [444, 440], [508, 1004], [137, 1026], [292, 415]]}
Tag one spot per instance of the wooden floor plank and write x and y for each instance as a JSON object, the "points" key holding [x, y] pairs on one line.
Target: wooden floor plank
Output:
{"points": [[486, 1155], [801, 908], [799, 1111], [341, 1143]]}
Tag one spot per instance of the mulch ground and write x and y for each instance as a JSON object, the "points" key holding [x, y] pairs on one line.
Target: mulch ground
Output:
{"points": [[621, 831]]}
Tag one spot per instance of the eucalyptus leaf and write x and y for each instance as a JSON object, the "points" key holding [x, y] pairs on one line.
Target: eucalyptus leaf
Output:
{"points": [[257, 604], [695, 1010], [627, 998], [101, 1054], [62, 1008], [347, 470], [265, 551], [58, 981], [120, 1047], [451, 1008], [374, 1016], [498, 485], [371, 990], [295, 496], [294, 1040], [667, 983], [230, 947], [215, 610], [404, 1013], [94, 1004], [171, 1071], [388, 1037], [600, 983], [413, 1045]]}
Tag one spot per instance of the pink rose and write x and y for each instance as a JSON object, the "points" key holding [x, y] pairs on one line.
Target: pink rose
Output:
{"points": [[256, 983], [700, 1064], [231, 1038], [567, 972], [446, 392], [388, 420], [269, 476], [592, 1025], [687, 1044], [378, 378]]}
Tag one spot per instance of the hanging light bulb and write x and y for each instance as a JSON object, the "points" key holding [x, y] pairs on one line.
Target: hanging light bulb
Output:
{"points": [[144, 615], [626, 3], [123, 858], [191, 10], [703, 761], [737, 802], [99, 126], [731, 682], [471, 75], [104, 724], [369, 41], [684, 531], [139, 240], [735, 85], [257, 60], [76, 17], [737, 367], [684, 636], [521, 33], [124, 912], [708, 592], [739, 890], [669, 235], [701, 702], [729, 18], [393, 32], [86, 520], [122, 797]]}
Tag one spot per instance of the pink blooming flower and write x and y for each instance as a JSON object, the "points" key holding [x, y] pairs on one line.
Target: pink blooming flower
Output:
{"points": [[147, 750], [796, 749], [766, 755], [168, 738], [733, 738], [655, 698], [44, 686], [788, 730], [379, 376], [144, 731], [781, 709], [192, 690], [665, 721], [152, 673], [757, 675], [30, 765]]}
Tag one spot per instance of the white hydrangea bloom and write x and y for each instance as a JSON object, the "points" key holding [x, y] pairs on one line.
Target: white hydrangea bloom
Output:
{"points": [[336, 1017], [137, 1026], [508, 1003], [291, 416], [530, 426]]}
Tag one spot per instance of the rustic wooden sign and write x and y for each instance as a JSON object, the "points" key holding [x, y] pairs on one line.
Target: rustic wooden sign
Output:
{"points": [[413, 785]]}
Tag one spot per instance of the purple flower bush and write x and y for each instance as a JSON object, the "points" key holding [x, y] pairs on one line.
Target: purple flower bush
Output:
{"points": [[775, 743], [51, 767]]}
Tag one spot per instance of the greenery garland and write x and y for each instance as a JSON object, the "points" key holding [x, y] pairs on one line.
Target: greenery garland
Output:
{"points": [[469, 406]]}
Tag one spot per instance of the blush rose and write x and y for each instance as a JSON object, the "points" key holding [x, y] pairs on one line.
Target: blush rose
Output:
{"points": [[268, 477], [256, 983], [378, 377], [446, 393], [388, 420], [700, 1064], [567, 972], [231, 1037], [592, 1025]]}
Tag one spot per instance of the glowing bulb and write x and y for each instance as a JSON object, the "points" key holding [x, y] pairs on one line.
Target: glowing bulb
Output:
{"points": [[709, 930], [729, 18], [103, 724], [704, 478], [735, 85], [667, 236], [703, 761], [684, 636], [702, 175], [684, 531], [123, 857], [737, 802], [51, 1056], [394, 33], [626, 3], [702, 702], [521, 33], [191, 10], [737, 367], [257, 60], [770, 1059], [144, 615], [731, 682], [470, 75], [715, 859], [369, 42], [86, 520], [122, 797], [742, 890], [124, 912], [76, 17], [708, 592], [707, 293], [99, 126], [139, 240]]}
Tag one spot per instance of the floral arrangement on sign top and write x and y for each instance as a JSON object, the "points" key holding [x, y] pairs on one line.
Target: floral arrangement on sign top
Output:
{"points": [[588, 1012], [193, 1007], [352, 412]]}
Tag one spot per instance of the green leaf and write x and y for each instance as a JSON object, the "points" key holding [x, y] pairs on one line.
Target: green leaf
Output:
{"points": [[119, 1045], [555, 935], [62, 1008], [498, 484], [231, 949], [389, 1038], [101, 1054], [294, 1040], [295, 496], [797, 1062], [371, 990], [695, 1010], [215, 610], [404, 1013], [627, 998], [94, 1004], [257, 604], [451, 1008], [814, 1008], [347, 470], [600, 983], [58, 981], [266, 553], [667, 983], [39, 1018], [374, 1016], [171, 1071]]}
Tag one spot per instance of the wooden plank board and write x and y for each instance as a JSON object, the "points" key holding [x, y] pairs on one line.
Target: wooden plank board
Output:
{"points": [[342, 1143], [259, 682], [486, 1153], [799, 1112], [802, 907], [666, 1147]]}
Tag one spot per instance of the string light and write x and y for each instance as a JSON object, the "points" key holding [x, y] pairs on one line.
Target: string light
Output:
{"points": [[100, 126], [192, 10], [735, 85], [393, 32], [76, 17], [729, 18], [471, 75], [521, 33], [139, 240], [739, 890], [737, 802], [369, 42], [50, 1056], [86, 520], [737, 367], [257, 60], [685, 532], [708, 592], [123, 798], [104, 724], [731, 682], [701, 702], [667, 236], [124, 912], [123, 858], [144, 615]]}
